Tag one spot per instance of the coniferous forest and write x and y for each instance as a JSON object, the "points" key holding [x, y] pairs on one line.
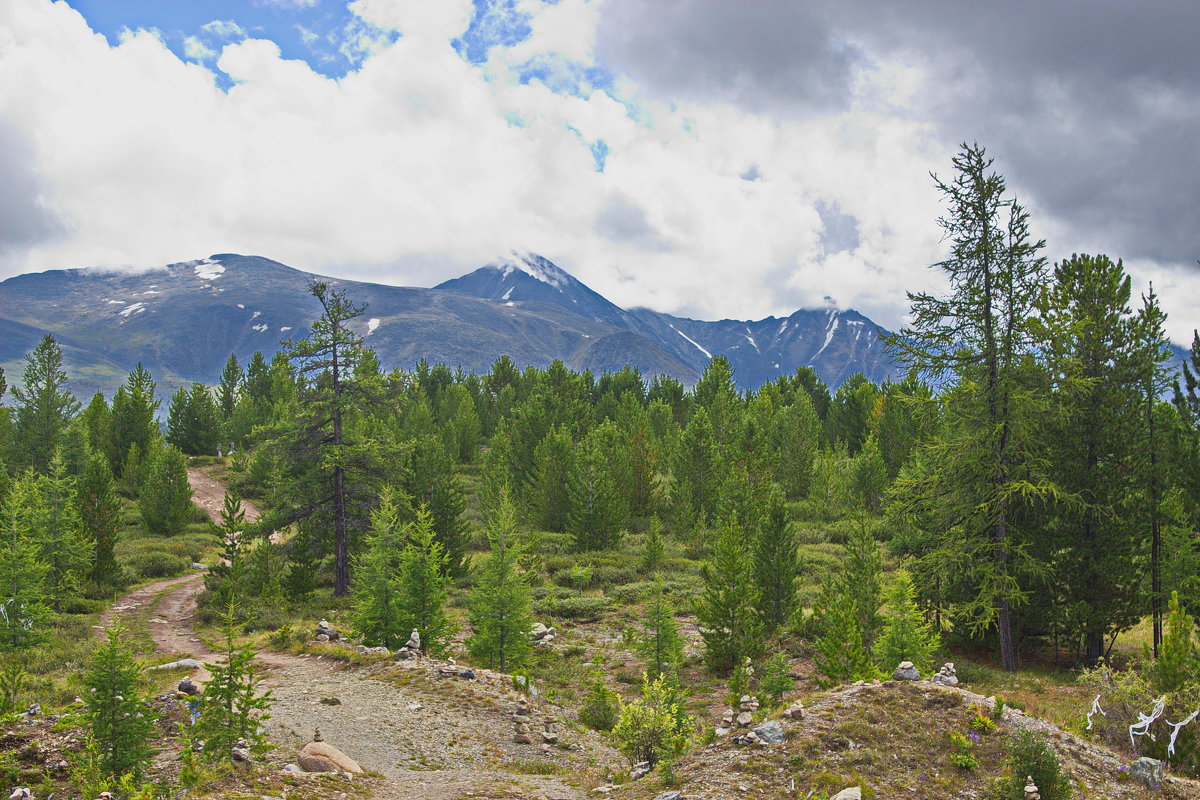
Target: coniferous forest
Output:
{"points": [[1025, 503]]}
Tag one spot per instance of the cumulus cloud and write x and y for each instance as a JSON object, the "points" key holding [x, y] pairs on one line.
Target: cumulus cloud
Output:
{"points": [[664, 153], [197, 50], [224, 28]]}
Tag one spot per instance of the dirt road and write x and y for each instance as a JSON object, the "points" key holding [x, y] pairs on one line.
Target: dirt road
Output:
{"points": [[433, 738]]}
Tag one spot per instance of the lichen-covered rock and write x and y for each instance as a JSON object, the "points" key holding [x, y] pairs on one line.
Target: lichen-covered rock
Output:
{"points": [[853, 793], [770, 732], [1147, 771]]}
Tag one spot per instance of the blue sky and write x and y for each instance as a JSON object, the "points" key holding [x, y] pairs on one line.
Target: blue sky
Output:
{"points": [[704, 157]]}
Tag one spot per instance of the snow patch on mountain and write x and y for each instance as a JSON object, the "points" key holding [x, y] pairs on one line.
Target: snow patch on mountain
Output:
{"points": [[260, 328], [693, 341], [372, 324], [835, 320], [135, 308], [209, 270], [535, 267]]}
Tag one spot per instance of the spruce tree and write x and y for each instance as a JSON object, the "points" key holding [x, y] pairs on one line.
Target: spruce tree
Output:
{"points": [[653, 552], [981, 334], [599, 510], [870, 475], [44, 406], [119, 711], [907, 635], [1178, 662], [776, 565], [496, 477], [133, 408], [697, 471], [193, 421], [165, 497], [229, 388], [225, 580], [432, 483], [232, 707], [499, 606], [841, 654], [727, 607], [97, 423], [862, 580], [661, 645], [797, 437]]}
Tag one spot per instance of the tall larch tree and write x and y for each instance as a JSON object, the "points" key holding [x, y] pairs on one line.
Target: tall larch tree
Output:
{"points": [[44, 406]]}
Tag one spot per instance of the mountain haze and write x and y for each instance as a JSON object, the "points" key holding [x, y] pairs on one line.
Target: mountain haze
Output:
{"points": [[183, 321]]}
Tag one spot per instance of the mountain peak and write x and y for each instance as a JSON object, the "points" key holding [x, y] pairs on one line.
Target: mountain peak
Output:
{"points": [[536, 267]]}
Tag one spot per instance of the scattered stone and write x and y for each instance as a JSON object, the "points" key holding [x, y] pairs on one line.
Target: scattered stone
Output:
{"points": [[1147, 771], [722, 731], [241, 752], [322, 637], [330, 701], [20, 793], [415, 707], [946, 675], [190, 663], [906, 672], [414, 640], [796, 711], [671, 795], [378, 651], [468, 674], [319, 756], [198, 565], [770, 732], [404, 654], [744, 719], [188, 687], [292, 768], [640, 770], [853, 793]]}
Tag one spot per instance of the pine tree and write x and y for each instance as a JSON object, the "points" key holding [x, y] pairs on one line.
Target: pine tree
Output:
{"points": [[548, 499], [841, 654], [661, 645], [99, 510], [499, 605], [232, 707], [133, 408], [776, 565], [225, 581], [193, 421], [653, 552], [44, 406], [119, 712], [165, 497], [377, 574], [23, 612], [598, 491], [1178, 662], [58, 533], [907, 635], [229, 388], [432, 483], [870, 475], [698, 472], [981, 333], [862, 580], [726, 610], [423, 583], [797, 437]]}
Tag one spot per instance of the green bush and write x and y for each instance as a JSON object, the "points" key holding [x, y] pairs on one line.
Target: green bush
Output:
{"points": [[609, 575], [600, 708], [156, 564], [654, 728], [584, 608], [1029, 755]]}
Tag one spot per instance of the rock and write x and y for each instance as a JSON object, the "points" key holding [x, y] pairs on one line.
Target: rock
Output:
{"points": [[853, 793], [241, 752], [671, 795], [20, 793], [549, 737], [330, 701], [744, 719], [906, 672], [640, 770], [522, 738], [324, 757], [727, 719], [322, 637], [198, 565], [188, 687], [721, 731], [324, 629], [292, 768], [1147, 771], [403, 654], [770, 732], [414, 640], [946, 675], [795, 712], [34, 710], [468, 674], [190, 663]]}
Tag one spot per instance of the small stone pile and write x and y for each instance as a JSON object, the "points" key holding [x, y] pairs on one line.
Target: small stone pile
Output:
{"points": [[412, 647], [743, 717], [795, 711], [906, 672], [522, 720], [188, 687], [320, 756], [325, 633], [541, 635], [946, 675]]}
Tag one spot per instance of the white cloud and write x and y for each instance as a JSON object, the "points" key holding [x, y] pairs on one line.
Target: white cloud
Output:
{"points": [[417, 166], [225, 28], [195, 49]]}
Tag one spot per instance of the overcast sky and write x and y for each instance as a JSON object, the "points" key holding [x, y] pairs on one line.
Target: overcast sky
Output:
{"points": [[705, 157]]}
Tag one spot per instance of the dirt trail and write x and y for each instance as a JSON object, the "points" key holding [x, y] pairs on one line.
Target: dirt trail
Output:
{"points": [[430, 738]]}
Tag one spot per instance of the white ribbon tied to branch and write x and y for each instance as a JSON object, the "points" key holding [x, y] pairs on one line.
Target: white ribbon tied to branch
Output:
{"points": [[1144, 722], [1175, 726], [1096, 709]]}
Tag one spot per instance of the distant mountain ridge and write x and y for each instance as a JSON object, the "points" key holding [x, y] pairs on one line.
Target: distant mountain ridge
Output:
{"points": [[183, 321]]}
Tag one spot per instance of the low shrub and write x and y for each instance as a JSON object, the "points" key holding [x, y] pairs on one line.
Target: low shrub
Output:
{"points": [[156, 564], [1030, 756], [576, 607]]}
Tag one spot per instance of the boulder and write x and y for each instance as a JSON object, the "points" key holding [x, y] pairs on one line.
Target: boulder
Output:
{"points": [[324, 757], [770, 732], [744, 719], [187, 686], [796, 711], [906, 672], [1147, 771], [640, 770], [190, 663], [20, 793], [671, 795], [853, 793]]}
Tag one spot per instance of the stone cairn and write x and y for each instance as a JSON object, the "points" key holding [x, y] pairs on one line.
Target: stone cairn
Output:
{"points": [[411, 648], [946, 675], [522, 723], [325, 633], [541, 635], [906, 672], [742, 717], [1031, 789]]}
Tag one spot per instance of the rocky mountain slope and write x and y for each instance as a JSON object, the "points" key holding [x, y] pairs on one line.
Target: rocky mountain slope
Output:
{"points": [[183, 321]]}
